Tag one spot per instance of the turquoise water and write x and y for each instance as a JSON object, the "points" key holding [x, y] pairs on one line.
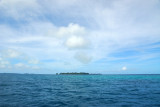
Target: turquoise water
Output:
{"points": [[30, 90]]}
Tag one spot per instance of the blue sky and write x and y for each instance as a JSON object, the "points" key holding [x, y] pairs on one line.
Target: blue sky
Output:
{"points": [[104, 36]]}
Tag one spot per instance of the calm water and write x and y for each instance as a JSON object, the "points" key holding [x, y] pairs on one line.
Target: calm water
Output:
{"points": [[24, 90]]}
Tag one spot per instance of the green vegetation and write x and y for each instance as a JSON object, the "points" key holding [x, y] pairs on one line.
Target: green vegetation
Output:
{"points": [[73, 73], [76, 73]]}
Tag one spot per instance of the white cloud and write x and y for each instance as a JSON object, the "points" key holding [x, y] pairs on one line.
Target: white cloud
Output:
{"points": [[71, 30], [76, 42], [83, 57], [34, 42], [12, 53], [124, 68], [33, 61], [24, 65], [2, 66], [20, 9], [3, 63], [10, 56], [19, 65]]}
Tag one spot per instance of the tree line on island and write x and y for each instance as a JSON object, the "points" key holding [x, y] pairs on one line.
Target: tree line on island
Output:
{"points": [[75, 73]]}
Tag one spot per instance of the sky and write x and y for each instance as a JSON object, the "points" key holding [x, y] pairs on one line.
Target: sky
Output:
{"points": [[95, 36]]}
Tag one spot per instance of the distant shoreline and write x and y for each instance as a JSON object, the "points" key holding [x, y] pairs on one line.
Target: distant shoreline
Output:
{"points": [[59, 73]]}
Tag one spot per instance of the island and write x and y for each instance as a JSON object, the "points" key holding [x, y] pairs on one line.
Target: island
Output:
{"points": [[76, 73]]}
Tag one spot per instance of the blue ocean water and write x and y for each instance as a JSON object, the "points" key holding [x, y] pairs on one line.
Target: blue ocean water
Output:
{"points": [[33, 90]]}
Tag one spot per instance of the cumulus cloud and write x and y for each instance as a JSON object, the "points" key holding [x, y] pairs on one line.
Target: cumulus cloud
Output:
{"points": [[70, 30], [124, 68], [3, 63], [35, 41], [83, 57], [12, 59], [33, 61], [76, 42], [10, 53], [20, 65]]}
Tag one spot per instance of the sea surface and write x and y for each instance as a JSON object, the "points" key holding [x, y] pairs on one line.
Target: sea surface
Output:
{"points": [[37, 90]]}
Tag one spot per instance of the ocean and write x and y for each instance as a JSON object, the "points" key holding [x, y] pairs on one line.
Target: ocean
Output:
{"points": [[41, 90]]}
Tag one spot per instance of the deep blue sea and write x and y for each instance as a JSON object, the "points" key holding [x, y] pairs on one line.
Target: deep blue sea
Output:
{"points": [[33, 90]]}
